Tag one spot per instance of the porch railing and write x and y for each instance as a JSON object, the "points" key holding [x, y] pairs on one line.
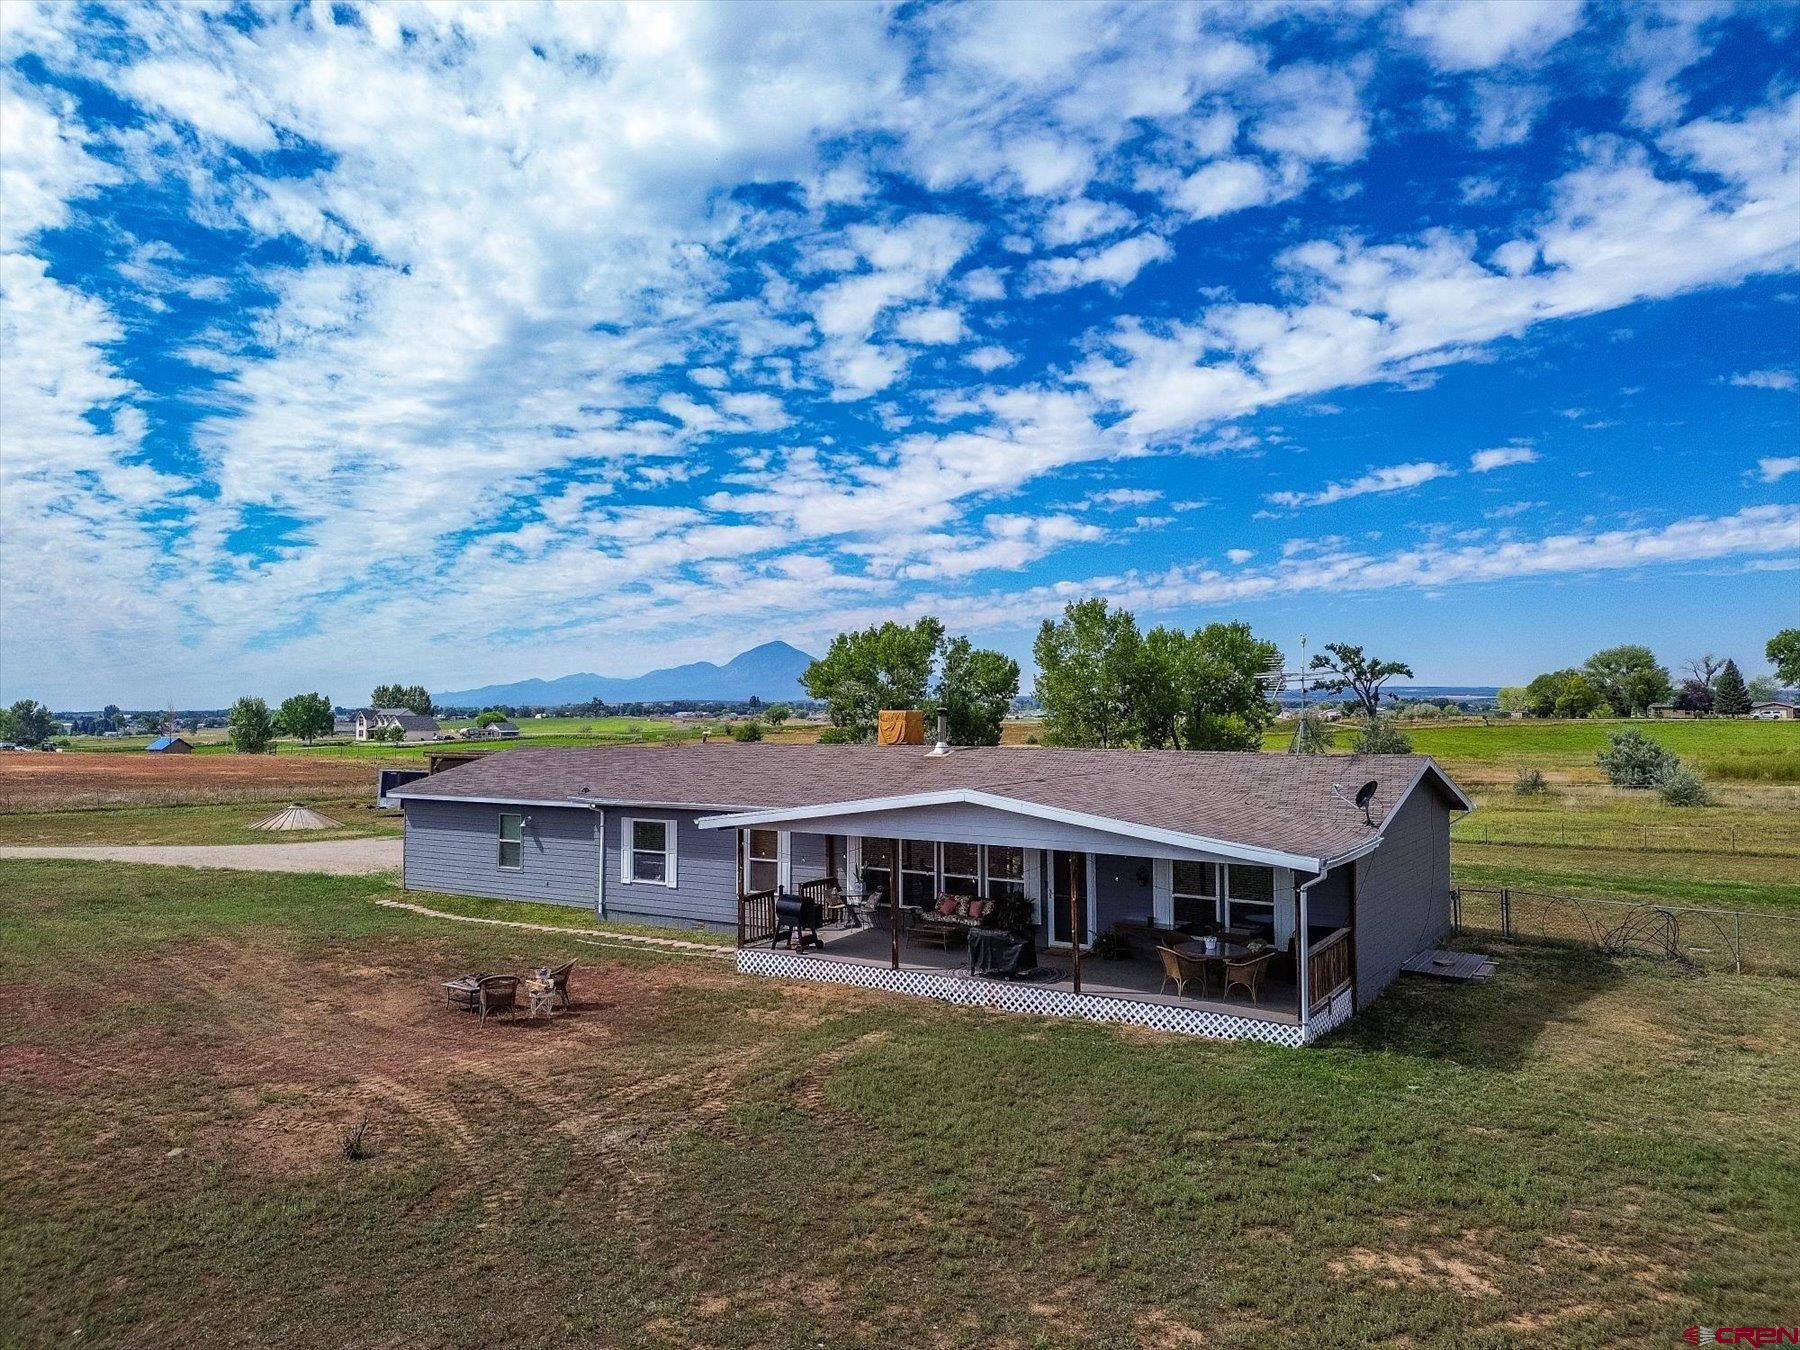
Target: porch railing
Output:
{"points": [[756, 917], [1328, 969]]}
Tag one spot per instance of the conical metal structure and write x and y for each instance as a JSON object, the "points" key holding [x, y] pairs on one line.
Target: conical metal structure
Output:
{"points": [[296, 817]]}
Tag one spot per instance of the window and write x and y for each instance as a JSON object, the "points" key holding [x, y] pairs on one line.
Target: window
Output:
{"points": [[918, 872], [649, 853], [1005, 871], [877, 867], [1250, 895], [962, 869], [762, 860], [512, 839], [1194, 891]]}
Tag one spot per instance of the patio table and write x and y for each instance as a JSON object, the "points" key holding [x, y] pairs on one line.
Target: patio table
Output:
{"points": [[1225, 951]]}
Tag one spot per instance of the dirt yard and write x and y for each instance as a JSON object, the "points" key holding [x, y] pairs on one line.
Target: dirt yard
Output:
{"points": [[69, 782], [1579, 1152]]}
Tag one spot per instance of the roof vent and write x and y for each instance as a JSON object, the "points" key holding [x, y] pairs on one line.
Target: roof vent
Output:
{"points": [[943, 737]]}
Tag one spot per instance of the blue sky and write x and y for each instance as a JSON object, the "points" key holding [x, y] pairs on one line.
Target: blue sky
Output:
{"points": [[349, 343]]}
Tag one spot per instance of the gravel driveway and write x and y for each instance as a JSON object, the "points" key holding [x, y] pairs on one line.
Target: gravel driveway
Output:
{"points": [[340, 857]]}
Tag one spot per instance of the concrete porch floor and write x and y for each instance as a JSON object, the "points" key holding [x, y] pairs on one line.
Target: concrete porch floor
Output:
{"points": [[1136, 979]]}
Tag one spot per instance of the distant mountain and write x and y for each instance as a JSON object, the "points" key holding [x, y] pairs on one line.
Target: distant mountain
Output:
{"points": [[769, 672]]}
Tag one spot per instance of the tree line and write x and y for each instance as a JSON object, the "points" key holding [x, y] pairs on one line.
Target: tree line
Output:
{"points": [[1102, 681], [1628, 680]]}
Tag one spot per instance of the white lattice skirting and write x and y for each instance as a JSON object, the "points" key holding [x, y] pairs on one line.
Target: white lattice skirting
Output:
{"points": [[1027, 998]]}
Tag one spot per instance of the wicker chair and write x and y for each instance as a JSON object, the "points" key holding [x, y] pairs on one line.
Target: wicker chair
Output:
{"points": [[1182, 971], [497, 993], [560, 978], [1246, 973]]}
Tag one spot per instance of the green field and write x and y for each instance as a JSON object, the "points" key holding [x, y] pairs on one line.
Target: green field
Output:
{"points": [[1580, 1152], [1531, 743]]}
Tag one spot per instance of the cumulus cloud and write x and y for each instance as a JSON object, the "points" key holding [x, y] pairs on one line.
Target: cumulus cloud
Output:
{"points": [[1461, 35], [1774, 468]]}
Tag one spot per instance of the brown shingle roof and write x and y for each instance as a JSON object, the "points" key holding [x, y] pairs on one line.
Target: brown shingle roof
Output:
{"points": [[1278, 802]]}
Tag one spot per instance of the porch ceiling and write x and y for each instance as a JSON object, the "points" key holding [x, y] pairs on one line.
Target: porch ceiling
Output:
{"points": [[965, 816]]}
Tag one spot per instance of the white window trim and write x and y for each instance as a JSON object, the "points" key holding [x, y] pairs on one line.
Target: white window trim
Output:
{"points": [[627, 854], [782, 860], [500, 840]]}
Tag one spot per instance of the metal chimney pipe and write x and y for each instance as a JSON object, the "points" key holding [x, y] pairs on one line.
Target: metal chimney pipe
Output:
{"points": [[943, 734]]}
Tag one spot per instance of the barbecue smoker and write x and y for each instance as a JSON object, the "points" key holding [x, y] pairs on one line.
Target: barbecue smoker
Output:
{"points": [[797, 920]]}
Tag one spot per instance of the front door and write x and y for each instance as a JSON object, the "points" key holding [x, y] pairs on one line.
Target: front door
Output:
{"points": [[1069, 897]]}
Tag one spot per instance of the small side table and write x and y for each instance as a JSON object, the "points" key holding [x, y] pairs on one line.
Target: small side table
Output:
{"points": [[541, 996], [461, 993]]}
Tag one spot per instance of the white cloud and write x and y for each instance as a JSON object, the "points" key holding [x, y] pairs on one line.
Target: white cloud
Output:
{"points": [[1336, 567], [1766, 379], [1076, 222], [1463, 35], [1774, 468], [1117, 497], [1115, 265], [1222, 187], [1502, 457], [931, 326], [1505, 112], [1240, 556], [989, 359], [1391, 478]]}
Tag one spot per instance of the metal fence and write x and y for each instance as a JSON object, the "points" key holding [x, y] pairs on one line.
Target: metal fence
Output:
{"points": [[1765, 841], [1737, 939]]}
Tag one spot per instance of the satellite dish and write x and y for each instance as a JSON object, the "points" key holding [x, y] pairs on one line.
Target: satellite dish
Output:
{"points": [[1364, 795]]}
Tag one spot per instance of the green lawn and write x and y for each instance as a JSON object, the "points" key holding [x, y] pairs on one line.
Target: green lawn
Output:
{"points": [[1579, 1152], [189, 824]]}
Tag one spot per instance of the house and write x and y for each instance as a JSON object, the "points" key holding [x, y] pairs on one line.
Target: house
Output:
{"points": [[505, 730], [169, 745], [1776, 710], [416, 726], [1126, 842]]}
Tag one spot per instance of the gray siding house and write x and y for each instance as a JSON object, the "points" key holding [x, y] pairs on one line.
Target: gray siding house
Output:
{"points": [[1197, 867]]}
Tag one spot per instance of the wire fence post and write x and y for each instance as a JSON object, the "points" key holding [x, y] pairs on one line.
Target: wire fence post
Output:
{"points": [[1505, 912], [1737, 940]]}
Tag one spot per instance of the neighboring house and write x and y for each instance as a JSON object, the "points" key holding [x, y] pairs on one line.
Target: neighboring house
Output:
{"points": [[169, 745], [1092, 841], [416, 726], [1776, 711], [505, 730], [1667, 710]]}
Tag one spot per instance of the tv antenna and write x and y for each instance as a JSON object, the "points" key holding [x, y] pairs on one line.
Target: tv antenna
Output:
{"points": [[1276, 679]]}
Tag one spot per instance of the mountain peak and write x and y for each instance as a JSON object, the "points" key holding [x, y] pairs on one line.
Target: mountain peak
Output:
{"points": [[770, 672]]}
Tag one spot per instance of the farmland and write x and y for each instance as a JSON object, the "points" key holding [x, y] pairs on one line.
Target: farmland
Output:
{"points": [[1538, 1158]]}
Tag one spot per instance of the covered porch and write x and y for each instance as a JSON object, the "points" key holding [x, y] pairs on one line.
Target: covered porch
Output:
{"points": [[1106, 920]]}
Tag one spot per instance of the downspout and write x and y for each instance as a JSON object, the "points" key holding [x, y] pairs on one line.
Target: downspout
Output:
{"points": [[600, 861]]}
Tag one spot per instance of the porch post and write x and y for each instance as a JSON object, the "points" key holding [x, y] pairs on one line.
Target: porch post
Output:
{"points": [[831, 857], [1303, 950], [894, 905], [1074, 921]]}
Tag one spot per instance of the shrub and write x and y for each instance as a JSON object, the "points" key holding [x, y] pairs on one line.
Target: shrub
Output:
{"points": [[1632, 760], [1682, 786], [838, 736], [1381, 737], [747, 731], [1530, 783]]}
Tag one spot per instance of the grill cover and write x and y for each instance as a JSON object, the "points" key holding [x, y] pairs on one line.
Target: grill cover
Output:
{"points": [[998, 954]]}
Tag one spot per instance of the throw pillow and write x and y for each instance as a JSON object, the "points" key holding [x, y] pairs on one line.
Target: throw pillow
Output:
{"points": [[977, 908], [946, 905]]}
